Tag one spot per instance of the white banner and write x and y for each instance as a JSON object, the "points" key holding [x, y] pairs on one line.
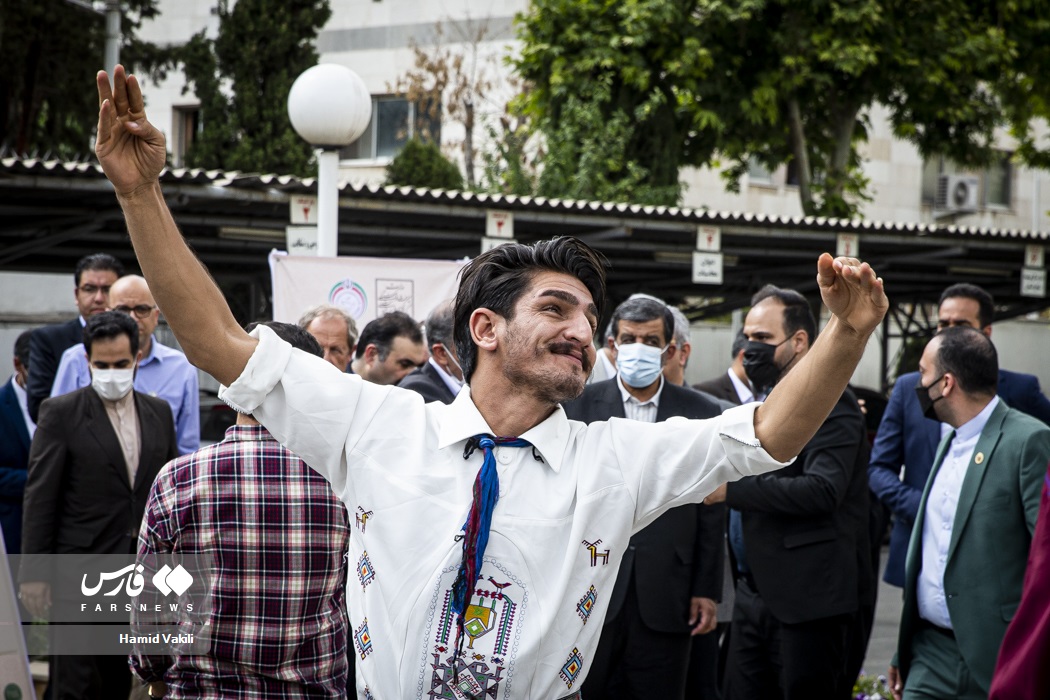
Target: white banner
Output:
{"points": [[363, 287]]}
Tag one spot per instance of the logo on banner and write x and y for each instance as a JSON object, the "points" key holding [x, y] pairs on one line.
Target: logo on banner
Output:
{"points": [[350, 297]]}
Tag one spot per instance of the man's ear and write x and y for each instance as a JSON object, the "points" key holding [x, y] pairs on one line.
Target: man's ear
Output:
{"points": [[672, 348], [483, 328], [800, 341], [371, 354]]}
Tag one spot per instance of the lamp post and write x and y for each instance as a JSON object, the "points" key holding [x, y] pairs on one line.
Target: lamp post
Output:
{"points": [[330, 107]]}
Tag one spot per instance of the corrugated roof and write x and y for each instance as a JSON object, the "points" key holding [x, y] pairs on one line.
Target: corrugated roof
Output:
{"points": [[291, 184]]}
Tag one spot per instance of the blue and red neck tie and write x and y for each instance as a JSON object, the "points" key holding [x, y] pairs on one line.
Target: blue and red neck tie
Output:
{"points": [[479, 523]]}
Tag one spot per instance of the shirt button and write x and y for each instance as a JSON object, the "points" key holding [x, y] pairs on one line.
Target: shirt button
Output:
{"points": [[503, 456]]}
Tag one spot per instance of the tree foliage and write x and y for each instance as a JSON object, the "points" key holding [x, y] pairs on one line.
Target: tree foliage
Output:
{"points": [[50, 51], [670, 83], [242, 79], [454, 82], [422, 164], [605, 77]]}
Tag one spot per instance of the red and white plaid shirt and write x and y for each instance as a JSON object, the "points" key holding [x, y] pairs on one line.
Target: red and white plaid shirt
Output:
{"points": [[277, 538]]}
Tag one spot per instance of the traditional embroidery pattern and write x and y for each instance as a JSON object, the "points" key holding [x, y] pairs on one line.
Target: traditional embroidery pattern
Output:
{"points": [[474, 681], [363, 640], [586, 604], [592, 547], [492, 630], [368, 694], [572, 668], [361, 518], [365, 573]]}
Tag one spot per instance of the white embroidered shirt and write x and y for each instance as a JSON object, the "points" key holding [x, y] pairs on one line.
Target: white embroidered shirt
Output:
{"points": [[566, 511]]}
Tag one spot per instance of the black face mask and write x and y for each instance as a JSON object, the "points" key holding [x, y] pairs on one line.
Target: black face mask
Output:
{"points": [[760, 365], [925, 401]]}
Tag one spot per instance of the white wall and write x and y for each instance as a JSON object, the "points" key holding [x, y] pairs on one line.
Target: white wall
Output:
{"points": [[28, 300]]}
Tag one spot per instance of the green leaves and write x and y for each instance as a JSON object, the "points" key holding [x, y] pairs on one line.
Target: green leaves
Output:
{"points": [[242, 79], [656, 85]]}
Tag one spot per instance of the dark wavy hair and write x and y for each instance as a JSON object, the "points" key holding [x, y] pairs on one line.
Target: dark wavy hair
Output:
{"points": [[497, 278], [111, 324]]}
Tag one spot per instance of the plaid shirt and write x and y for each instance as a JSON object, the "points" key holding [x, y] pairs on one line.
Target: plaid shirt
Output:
{"points": [[277, 538]]}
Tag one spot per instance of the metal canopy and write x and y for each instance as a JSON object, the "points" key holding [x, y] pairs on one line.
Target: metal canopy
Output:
{"points": [[52, 213]]}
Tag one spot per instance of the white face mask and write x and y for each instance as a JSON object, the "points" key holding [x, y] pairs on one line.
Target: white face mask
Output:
{"points": [[639, 364], [112, 384], [453, 361]]}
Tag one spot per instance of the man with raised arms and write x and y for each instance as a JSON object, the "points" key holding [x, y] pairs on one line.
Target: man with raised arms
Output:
{"points": [[483, 564]]}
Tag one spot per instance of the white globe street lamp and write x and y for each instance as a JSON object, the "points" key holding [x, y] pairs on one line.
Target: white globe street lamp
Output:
{"points": [[330, 107]]}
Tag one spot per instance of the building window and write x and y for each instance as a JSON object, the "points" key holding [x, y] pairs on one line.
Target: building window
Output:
{"points": [[996, 179], [758, 173], [185, 126], [394, 121]]}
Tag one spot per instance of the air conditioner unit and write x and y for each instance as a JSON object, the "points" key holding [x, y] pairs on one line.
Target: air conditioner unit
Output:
{"points": [[956, 193]]}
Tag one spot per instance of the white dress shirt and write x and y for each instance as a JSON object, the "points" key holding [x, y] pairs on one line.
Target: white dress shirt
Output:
{"points": [[453, 384], [566, 512], [638, 410], [939, 518], [743, 391], [20, 396]]}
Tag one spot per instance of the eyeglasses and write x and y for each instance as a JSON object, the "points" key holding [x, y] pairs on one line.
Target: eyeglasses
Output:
{"points": [[93, 289], [140, 311]]}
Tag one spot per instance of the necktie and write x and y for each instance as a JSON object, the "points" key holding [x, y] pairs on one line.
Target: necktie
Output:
{"points": [[479, 522]]}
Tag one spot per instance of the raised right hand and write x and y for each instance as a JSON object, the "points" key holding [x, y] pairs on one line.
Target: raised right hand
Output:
{"points": [[130, 149]]}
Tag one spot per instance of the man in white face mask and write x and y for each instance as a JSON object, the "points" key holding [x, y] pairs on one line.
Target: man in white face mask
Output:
{"points": [[671, 575], [94, 456], [441, 378]]}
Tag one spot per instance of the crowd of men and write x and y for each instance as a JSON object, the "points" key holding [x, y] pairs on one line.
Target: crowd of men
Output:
{"points": [[526, 515], [959, 459]]}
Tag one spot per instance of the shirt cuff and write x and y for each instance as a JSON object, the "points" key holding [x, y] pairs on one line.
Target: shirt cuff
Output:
{"points": [[738, 431], [262, 373]]}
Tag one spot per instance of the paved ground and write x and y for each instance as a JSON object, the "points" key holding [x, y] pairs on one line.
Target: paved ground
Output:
{"points": [[883, 642]]}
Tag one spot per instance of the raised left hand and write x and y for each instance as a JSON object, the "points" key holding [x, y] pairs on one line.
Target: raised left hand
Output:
{"points": [[852, 292]]}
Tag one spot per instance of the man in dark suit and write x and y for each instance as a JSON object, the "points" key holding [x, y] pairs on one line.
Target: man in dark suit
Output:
{"points": [[671, 574], [16, 430], [801, 549], [908, 441], [93, 277], [966, 560], [441, 378], [733, 386], [94, 457], [390, 347]]}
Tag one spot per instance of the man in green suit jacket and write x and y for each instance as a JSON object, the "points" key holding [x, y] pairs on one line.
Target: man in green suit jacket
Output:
{"points": [[966, 561]]}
